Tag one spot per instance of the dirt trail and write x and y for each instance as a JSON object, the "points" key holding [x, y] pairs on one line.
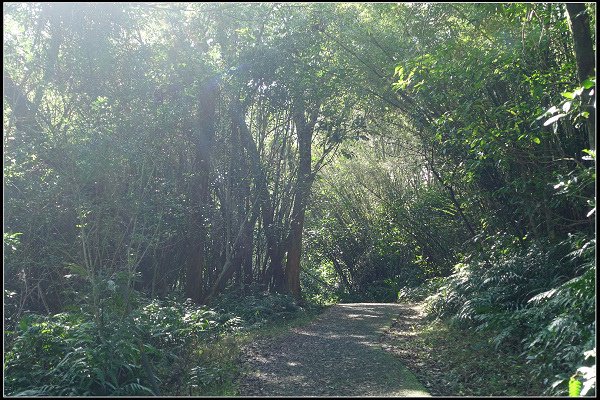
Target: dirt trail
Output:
{"points": [[338, 354]]}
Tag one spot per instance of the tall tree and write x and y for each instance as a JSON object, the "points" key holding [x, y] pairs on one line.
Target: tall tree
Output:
{"points": [[585, 58], [304, 121]]}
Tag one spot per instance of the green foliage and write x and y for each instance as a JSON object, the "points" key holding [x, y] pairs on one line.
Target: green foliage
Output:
{"points": [[11, 240], [575, 386], [572, 106], [374, 230], [74, 354], [259, 308], [69, 354], [458, 362], [538, 300], [421, 292], [587, 374], [446, 156]]}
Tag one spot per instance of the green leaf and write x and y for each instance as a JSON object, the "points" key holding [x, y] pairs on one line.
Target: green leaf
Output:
{"points": [[399, 70], [24, 323], [537, 140], [590, 153], [568, 95], [589, 83], [575, 386]]}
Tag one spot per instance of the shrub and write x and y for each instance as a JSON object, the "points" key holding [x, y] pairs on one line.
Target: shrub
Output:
{"points": [[156, 344], [258, 308], [538, 300], [69, 354]]}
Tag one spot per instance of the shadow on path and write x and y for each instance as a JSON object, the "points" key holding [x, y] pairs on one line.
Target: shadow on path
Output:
{"points": [[336, 355]]}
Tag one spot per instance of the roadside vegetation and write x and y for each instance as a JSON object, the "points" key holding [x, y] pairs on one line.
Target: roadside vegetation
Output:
{"points": [[179, 175], [165, 347]]}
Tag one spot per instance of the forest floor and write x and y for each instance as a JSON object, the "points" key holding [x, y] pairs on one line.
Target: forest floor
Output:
{"points": [[339, 354]]}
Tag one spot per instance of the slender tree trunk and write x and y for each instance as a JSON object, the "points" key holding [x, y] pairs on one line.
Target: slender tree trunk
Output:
{"points": [[245, 205], [274, 273], [233, 262], [246, 256], [196, 265], [292, 268], [340, 272], [585, 59], [304, 131], [454, 200]]}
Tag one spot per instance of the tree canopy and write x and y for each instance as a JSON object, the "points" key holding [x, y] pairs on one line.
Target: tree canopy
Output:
{"points": [[326, 151]]}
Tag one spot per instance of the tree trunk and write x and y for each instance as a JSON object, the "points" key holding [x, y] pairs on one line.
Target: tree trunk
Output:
{"points": [[304, 131], [585, 59], [338, 268], [292, 267], [245, 205], [274, 273], [196, 264], [233, 262], [454, 201], [246, 256]]}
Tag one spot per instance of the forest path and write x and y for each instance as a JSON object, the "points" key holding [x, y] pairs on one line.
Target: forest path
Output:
{"points": [[338, 354]]}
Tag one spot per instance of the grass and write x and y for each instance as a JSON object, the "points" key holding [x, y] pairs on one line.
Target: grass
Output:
{"points": [[454, 362]]}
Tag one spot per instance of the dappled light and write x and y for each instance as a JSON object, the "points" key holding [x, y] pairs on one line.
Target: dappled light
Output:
{"points": [[338, 354], [182, 180]]}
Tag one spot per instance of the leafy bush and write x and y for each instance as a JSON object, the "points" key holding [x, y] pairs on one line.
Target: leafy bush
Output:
{"points": [[538, 300], [563, 321], [69, 354], [421, 292], [258, 308], [76, 354], [500, 284]]}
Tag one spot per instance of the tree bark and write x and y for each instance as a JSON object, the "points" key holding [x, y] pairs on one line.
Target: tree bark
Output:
{"points": [[246, 256], [196, 264], [275, 273], [585, 59], [304, 132], [234, 260], [244, 207]]}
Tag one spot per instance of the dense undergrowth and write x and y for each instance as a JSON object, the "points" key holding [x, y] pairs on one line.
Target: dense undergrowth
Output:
{"points": [[536, 301], [162, 149], [165, 347]]}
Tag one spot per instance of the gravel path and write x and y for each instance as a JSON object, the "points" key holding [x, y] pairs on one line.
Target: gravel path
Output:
{"points": [[338, 354]]}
